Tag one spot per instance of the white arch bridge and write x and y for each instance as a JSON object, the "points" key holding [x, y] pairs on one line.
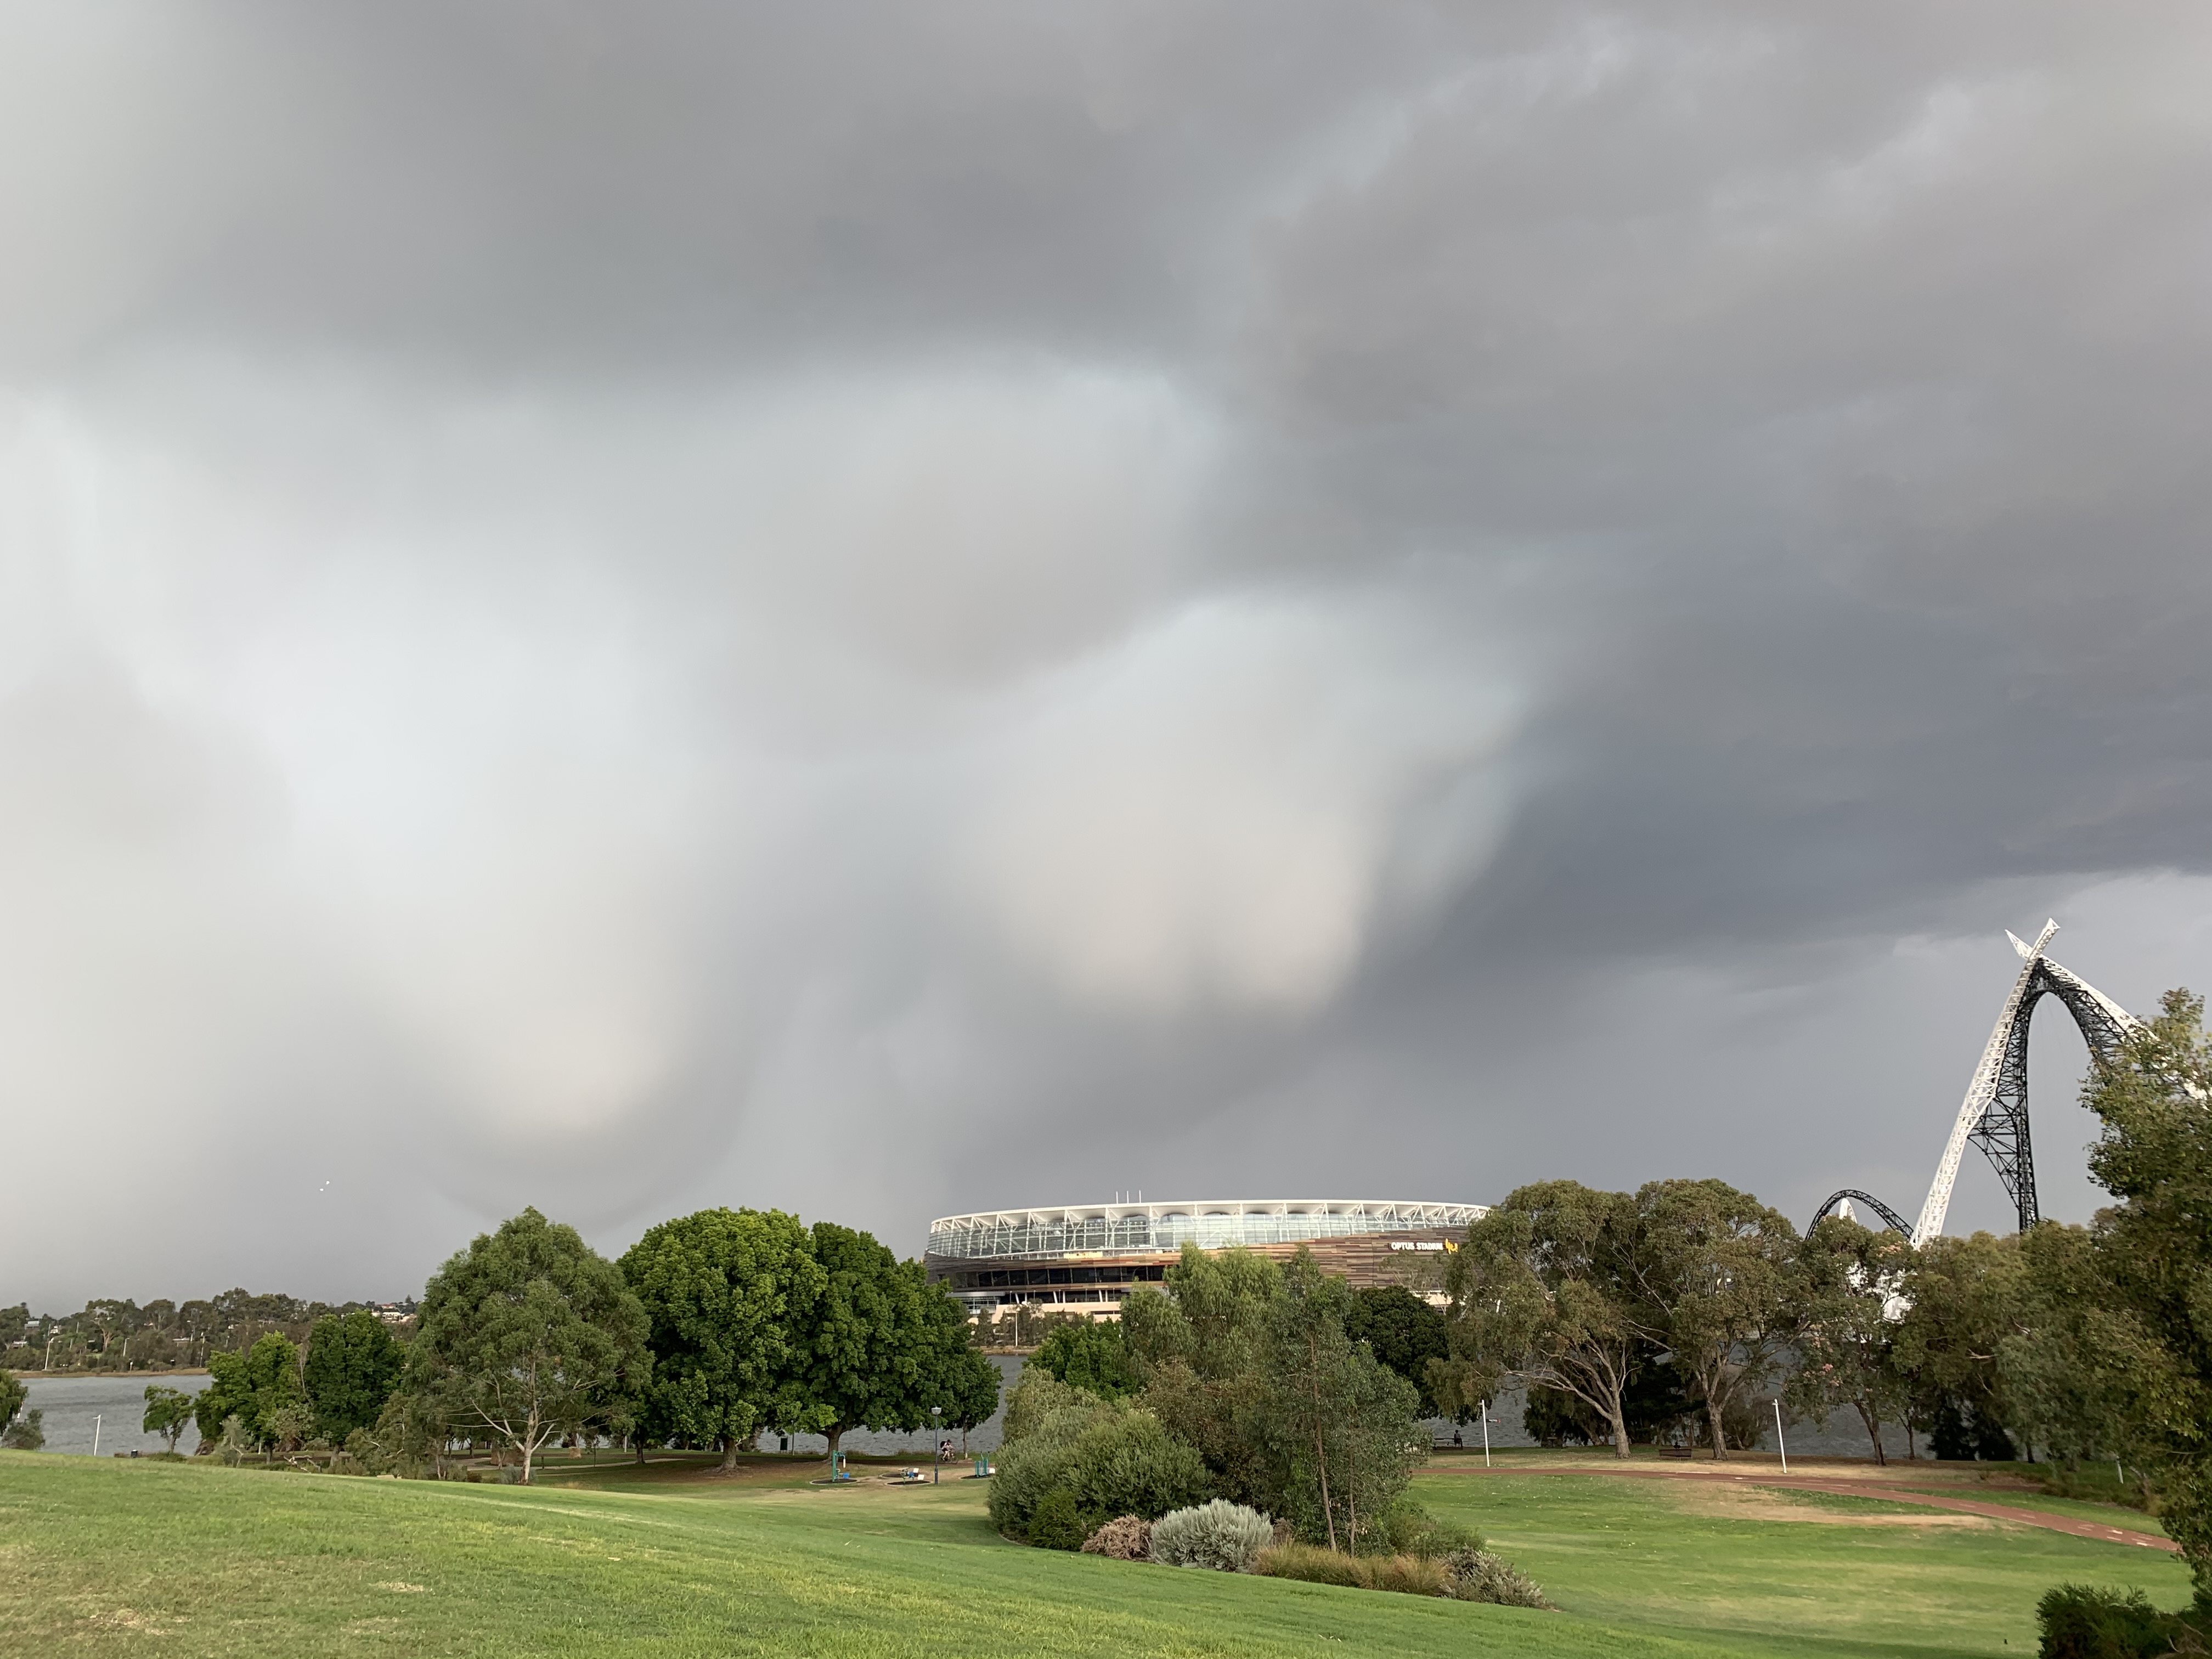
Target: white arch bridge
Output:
{"points": [[1994, 1115]]}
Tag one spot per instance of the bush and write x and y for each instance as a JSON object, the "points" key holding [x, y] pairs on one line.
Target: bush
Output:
{"points": [[1310, 1564], [1036, 1399], [1110, 1460], [27, 1433], [1129, 1537], [1037, 1462], [1225, 1536], [1479, 1575], [233, 1445], [1406, 1529], [1055, 1524], [1090, 1356], [1128, 1464], [1409, 1575], [2085, 1621], [1406, 1575]]}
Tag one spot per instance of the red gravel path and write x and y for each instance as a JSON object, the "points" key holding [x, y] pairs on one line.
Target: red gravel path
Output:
{"points": [[2065, 1524]]}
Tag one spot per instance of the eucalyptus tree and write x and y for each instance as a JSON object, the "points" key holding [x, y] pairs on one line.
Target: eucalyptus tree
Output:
{"points": [[2152, 1251], [1341, 1430], [1198, 1343], [1720, 1274], [1847, 1345], [1552, 1287]]}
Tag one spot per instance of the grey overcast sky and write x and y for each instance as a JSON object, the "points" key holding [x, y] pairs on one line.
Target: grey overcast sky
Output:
{"points": [[886, 611]]}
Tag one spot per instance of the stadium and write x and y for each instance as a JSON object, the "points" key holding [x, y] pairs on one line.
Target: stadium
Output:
{"points": [[1084, 1258]]}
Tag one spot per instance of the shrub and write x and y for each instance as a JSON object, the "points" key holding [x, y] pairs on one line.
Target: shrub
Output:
{"points": [[1127, 1539], [1225, 1536], [1032, 1466], [2085, 1621], [1110, 1459], [1407, 1574], [233, 1444], [27, 1433], [1406, 1529], [1310, 1564], [1036, 1398], [1088, 1355], [1128, 1464], [1055, 1524], [1479, 1575]]}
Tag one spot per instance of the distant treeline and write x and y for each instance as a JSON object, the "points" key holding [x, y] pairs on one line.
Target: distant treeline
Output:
{"points": [[115, 1333]]}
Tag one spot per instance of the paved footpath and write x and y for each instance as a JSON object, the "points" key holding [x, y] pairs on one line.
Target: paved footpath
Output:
{"points": [[2065, 1524]]}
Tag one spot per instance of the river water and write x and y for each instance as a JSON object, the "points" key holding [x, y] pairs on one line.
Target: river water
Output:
{"points": [[70, 1403]]}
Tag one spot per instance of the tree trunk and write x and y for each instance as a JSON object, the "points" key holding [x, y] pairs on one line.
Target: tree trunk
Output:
{"points": [[1873, 1432], [1713, 1421], [1320, 1450], [1620, 1423], [834, 1433], [729, 1453]]}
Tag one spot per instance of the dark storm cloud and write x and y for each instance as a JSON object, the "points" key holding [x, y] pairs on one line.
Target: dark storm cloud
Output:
{"points": [[888, 611]]}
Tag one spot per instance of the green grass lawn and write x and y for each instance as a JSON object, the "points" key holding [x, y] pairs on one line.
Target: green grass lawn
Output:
{"points": [[99, 1557]]}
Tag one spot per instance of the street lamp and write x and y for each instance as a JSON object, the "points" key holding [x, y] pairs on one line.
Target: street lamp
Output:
{"points": [[936, 1441]]}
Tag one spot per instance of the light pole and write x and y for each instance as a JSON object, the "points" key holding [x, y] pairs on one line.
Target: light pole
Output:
{"points": [[936, 1441]]}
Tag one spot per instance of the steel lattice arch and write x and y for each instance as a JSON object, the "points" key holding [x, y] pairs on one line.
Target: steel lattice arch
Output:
{"points": [[1994, 1114]]}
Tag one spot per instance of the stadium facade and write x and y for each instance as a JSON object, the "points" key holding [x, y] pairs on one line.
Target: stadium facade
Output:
{"points": [[1084, 1258]]}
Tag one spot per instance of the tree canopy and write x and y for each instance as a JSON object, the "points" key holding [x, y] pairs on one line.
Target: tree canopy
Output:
{"points": [[1719, 1275], [1089, 1355], [730, 1296], [353, 1365], [1553, 1285], [528, 1334], [879, 1349], [1406, 1333], [2146, 1266], [256, 1387]]}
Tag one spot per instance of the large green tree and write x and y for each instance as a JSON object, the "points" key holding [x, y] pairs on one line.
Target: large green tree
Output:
{"points": [[1960, 1300], [1550, 1286], [527, 1335], [353, 1363], [1341, 1429], [257, 1388], [2151, 1256], [732, 1296], [1853, 1282], [1199, 1342], [1089, 1355], [2070, 1355], [1405, 1333], [1720, 1272], [875, 1353]]}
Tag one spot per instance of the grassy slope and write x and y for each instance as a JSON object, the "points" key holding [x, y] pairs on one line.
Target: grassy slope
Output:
{"points": [[107, 1555], [1790, 1573]]}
